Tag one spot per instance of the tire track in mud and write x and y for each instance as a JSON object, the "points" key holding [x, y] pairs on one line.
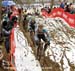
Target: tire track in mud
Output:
{"points": [[49, 65]]}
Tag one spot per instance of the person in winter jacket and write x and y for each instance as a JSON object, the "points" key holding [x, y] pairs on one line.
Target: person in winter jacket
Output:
{"points": [[6, 33]]}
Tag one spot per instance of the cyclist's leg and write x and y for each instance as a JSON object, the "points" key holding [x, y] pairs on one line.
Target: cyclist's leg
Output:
{"points": [[38, 44], [42, 36], [46, 42], [46, 45], [39, 47], [38, 51], [36, 40]]}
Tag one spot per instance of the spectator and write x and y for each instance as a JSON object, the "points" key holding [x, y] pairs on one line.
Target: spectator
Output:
{"points": [[67, 9], [62, 5], [6, 33], [71, 8], [32, 25]]}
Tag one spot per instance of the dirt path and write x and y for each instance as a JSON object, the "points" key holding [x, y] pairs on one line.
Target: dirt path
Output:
{"points": [[47, 64]]}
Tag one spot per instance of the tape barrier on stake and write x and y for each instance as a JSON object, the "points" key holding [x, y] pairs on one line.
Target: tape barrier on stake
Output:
{"points": [[12, 39], [20, 39], [59, 12], [12, 47]]}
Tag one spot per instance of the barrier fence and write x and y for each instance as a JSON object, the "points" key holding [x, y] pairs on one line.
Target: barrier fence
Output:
{"points": [[59, 12]]}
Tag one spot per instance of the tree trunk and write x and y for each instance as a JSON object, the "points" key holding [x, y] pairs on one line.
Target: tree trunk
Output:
{"points": [[42, 2], [73, 1], [52, 3], [0, 15], [0, 20]]}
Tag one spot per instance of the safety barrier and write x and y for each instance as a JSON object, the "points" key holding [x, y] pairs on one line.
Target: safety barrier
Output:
{"points": [[12, 49], [59, 12], [13, 45]]}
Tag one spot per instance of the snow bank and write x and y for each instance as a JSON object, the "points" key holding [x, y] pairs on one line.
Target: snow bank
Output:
{"points": [[24, 57]]}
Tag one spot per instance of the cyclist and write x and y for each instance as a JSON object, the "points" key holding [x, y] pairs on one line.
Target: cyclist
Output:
{"points": [[42, 33], [32, 25]]}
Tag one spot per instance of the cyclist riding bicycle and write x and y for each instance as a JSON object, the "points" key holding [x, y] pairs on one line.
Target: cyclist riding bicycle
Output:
{"points": [[32, 25], [42, 33]]}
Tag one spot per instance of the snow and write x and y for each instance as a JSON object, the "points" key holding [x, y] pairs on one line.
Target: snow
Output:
{"points": [[62, 46], [24, 57]]}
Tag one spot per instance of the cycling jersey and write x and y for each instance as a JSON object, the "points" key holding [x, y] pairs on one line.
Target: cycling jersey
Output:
{"points": [[32, 26], [42, 34]]}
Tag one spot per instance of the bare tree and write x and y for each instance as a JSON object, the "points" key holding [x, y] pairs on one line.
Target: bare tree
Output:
{"points": [[73, 1], [52, 3], [29, 2], [42, 2], [0, 19]]}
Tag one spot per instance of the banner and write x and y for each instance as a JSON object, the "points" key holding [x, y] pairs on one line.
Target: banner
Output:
{"points": [[59, 12]]}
